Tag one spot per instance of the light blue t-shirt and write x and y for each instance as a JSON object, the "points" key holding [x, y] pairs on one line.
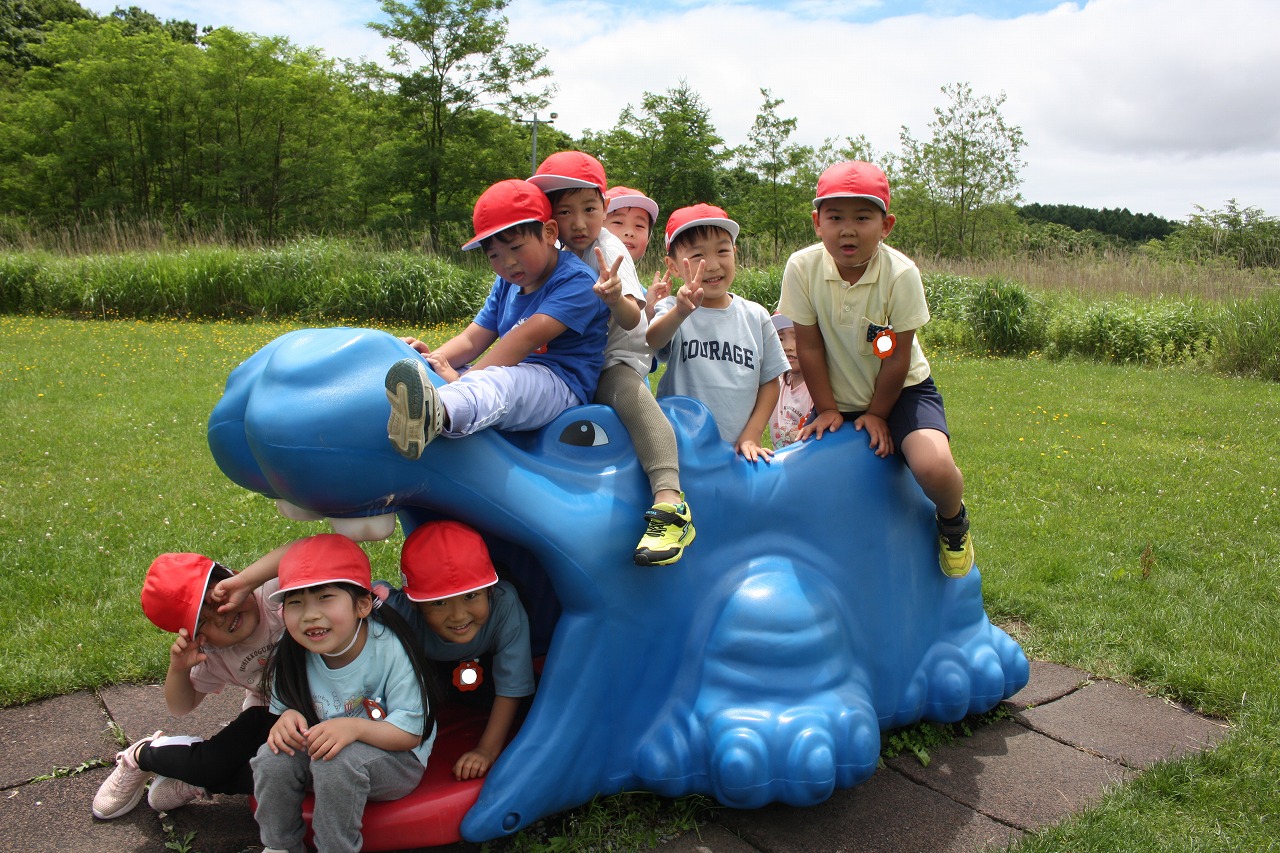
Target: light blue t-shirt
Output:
{"points": [[383, 673]]}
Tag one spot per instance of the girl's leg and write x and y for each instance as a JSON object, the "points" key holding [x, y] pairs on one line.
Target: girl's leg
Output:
{"points": [[279, 785], [344, 783], [219, 764]]}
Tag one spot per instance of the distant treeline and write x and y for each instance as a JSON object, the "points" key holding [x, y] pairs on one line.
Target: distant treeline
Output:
{"points": [[1115, 222]]}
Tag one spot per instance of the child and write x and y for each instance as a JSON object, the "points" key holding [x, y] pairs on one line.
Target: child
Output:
{"points": [[220, 642], [355, 699], [794, 405], [575, 185], [459, 611], [630, 216], [543, 313], [720, 348], [856, 304]]}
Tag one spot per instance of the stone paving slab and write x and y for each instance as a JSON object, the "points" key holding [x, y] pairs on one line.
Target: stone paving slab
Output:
{"points": [[711, 838], [56, 815], [1048, 683], [887, 814], [1124, 725], [1014, 775], [139, 710], [62, 732]]}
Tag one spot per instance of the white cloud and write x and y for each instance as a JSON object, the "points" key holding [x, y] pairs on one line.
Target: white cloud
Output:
{"points": [[1151, 104]]}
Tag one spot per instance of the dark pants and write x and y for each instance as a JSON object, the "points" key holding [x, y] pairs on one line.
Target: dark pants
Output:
{"points": [[220, 764]]}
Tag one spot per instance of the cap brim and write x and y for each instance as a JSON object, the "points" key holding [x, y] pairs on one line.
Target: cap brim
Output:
{"points": [[551, 183], [278, 596], [409, 595], [727, 224], [879, 202], [781, 322], [480, 238], [645, 203]]}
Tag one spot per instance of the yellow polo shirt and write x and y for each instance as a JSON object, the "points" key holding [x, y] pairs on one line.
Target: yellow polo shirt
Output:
{"points": [[890, 293]]}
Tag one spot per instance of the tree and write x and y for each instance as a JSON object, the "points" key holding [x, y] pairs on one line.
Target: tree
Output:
{"points": [[23, 25], [966, 176], [668, 148], [775, 207], [467, 65]]}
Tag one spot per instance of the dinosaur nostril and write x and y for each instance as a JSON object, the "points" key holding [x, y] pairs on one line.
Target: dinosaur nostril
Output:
{"points": [[511, 821]]}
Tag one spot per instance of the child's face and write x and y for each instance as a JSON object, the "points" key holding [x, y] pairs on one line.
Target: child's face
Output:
{"points": [[715, 247], [580, 216], [323, 619], [851, 230], [458, 618], [226, 629], [630, 225], [525, 260], [788, 339]]}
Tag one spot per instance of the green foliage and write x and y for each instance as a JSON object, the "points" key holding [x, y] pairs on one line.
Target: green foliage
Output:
{"points": [[1243, 237], [1127, 331], [951, 187], [759, 285], [622, 822], [311, 278], [1004, 317], [1137, 228], [771, 204], [1245, 338]]}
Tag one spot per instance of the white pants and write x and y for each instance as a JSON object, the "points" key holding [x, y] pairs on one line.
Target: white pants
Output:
{"points": [[520, 397]]}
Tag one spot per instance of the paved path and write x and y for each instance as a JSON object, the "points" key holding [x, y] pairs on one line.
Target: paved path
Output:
{"points": [[1069, 738]]}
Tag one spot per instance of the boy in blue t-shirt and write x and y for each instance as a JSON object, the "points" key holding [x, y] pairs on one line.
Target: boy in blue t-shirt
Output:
{"points": [[544, 316]]}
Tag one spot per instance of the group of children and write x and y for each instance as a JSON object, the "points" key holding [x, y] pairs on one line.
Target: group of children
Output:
{"points": [[347, 705]]}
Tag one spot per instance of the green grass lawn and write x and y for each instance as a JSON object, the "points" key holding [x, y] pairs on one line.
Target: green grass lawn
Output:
{"points": [[1127, 522]]}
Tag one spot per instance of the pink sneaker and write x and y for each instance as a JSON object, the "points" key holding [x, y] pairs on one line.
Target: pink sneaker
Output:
{"points": [[123, 789], [167, 794]]}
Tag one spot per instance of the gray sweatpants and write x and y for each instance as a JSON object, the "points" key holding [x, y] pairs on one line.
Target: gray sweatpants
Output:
{"points": [[342, 785]]}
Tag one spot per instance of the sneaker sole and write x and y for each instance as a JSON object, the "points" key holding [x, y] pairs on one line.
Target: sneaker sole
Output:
{"points": [[643, 555], [412, 406]]}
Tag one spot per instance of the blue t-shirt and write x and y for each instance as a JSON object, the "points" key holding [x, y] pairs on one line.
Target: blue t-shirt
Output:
{"points": [[577, 354], [382, 673], [505, 636]]}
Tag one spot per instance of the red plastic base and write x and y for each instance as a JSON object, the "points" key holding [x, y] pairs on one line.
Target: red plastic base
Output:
{"points": [[431, 815]]}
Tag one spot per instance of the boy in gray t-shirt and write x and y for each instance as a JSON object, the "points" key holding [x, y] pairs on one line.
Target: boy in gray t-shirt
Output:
{"points": [[719, 347]]}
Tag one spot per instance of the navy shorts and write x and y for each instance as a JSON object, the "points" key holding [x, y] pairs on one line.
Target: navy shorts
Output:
{"points": [[918, 407]]}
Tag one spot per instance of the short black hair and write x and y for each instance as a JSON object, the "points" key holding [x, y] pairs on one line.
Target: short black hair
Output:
{"points": [[506, 235], [554, 196], [697, 232]]}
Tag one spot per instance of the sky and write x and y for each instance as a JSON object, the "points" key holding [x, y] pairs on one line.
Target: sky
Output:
{"points": [[1159, 106]]}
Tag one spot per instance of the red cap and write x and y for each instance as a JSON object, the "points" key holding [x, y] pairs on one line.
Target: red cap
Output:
{"points": [[174, 590], [322, 559], [505, 204], [569, 170], [442, 559], [854, 179], [699, 214], [619, 197]]}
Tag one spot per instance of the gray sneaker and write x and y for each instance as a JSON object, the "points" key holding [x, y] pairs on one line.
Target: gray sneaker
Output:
{"points": [[167, 794], [416, 414], [124, 788]]}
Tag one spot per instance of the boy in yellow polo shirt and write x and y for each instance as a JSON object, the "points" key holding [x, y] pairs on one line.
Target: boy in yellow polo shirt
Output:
{"points": [[856, 304]]}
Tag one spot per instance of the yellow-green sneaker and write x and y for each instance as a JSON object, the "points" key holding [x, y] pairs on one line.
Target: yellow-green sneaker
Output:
{"points": [[670, 530], [955, 546]]}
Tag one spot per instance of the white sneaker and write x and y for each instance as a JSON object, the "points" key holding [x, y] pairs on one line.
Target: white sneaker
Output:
{"points": [[123, 789], [167, 794]]}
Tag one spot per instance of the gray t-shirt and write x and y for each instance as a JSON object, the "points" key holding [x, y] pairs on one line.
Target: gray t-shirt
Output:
{"points": [[722, 356], [505, 636]]}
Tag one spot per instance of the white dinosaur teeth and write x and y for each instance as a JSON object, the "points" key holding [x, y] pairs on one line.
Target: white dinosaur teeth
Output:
{"points": [[294, 512], [369, 529]]}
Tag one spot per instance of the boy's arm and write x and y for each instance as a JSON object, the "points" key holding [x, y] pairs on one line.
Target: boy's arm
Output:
{"points": [[466, 346], [688, 300], [476, 763], [812, 353], [624, 310], [748, 443], [522, 341], [893, 372]]}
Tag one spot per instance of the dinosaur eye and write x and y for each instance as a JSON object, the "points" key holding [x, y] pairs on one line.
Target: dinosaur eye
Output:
{"points": [[584, 434]]}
